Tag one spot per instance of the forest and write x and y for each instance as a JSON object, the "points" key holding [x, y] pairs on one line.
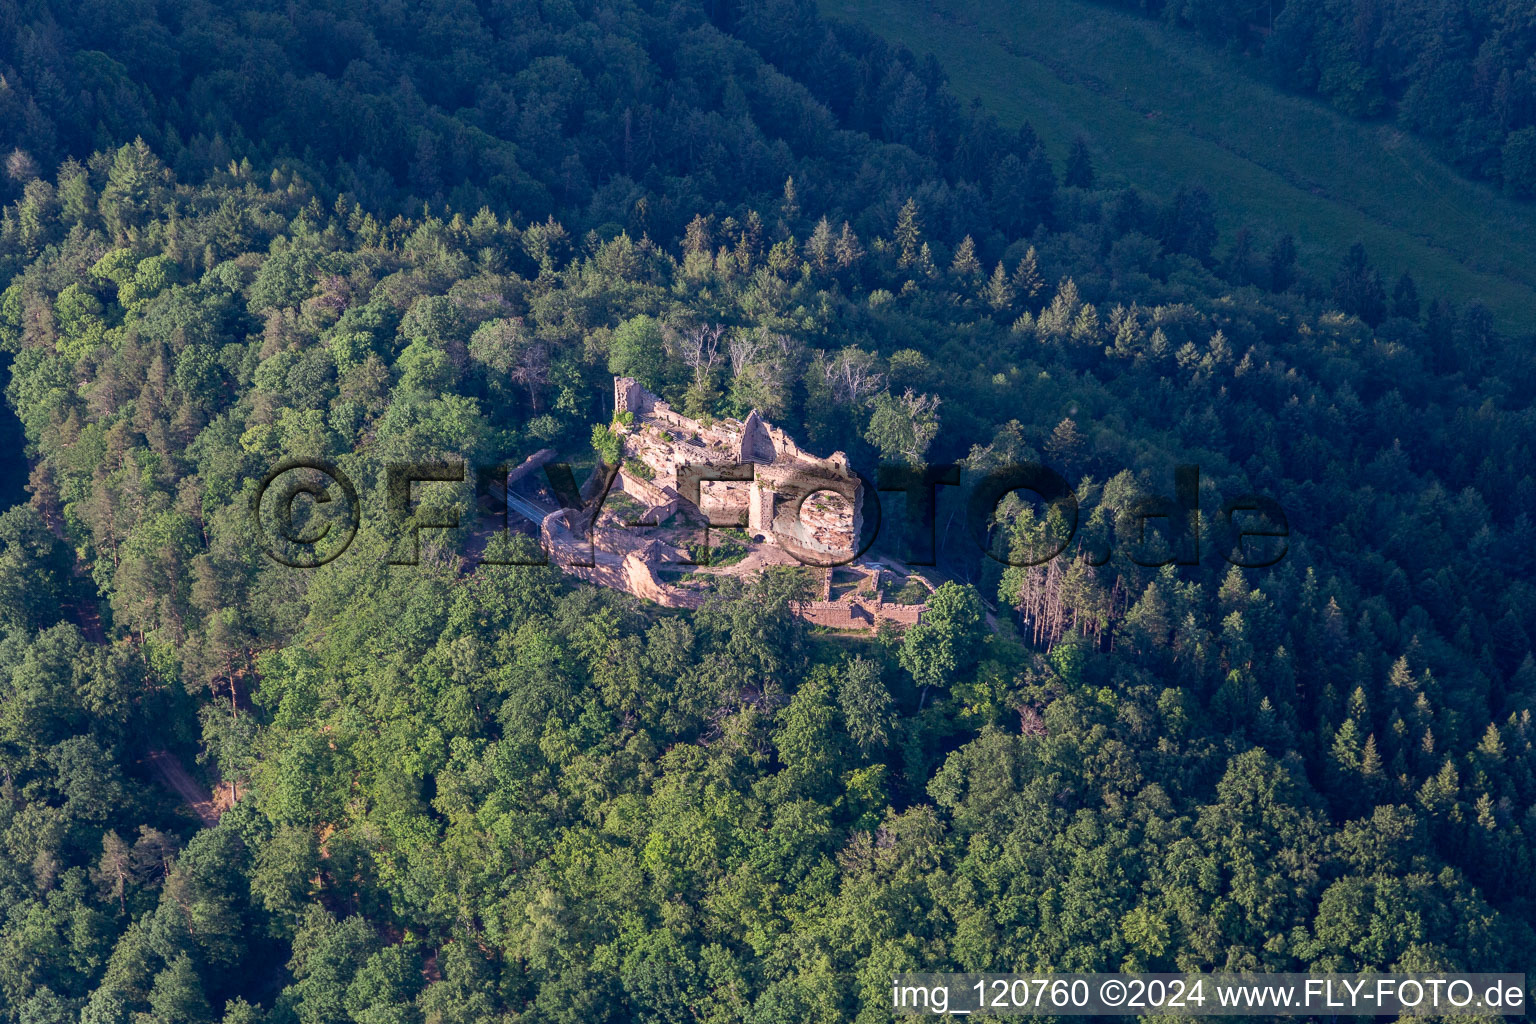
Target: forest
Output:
{"points": [[1459, 73], [464, 792]]}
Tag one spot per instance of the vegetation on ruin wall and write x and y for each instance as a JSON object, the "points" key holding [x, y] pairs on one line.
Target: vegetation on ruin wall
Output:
{"points": [[726, 548], [501, 795]]}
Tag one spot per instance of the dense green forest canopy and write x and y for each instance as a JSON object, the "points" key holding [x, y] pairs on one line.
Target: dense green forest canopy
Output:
{"points": [[1460, 73], [476, 793]]}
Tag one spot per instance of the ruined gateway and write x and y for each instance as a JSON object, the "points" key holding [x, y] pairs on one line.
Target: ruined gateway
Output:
{"points": [[739, 472]]}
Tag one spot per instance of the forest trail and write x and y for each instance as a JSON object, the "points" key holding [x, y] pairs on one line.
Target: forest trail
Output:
{"points": [[168, 770], [87, 617], [166, 766]]}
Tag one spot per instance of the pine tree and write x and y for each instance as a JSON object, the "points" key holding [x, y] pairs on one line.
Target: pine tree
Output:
{"points": [[1522, 686], [1079, 169], [1510, 643], [1491, 747], [1066, 443], [1439, 331], [1151, 616], [1267, 727], [1056, 320], [1357, 288], [1282, 264], [749, 245], [1358, 707], [1026, 276], [1085, 326], [1027, 141], [1438, 795], [20, 166], [1220, 349], [136, 186], [1233, 593], [696, 238], [115, 871], [1346, 749], [965, 265], [1405, 298], [790, 207], [1485, 816], [1127, 337], [1370, 761], [909, 232], [177, 996], [818, 248], [1189, 223], [1010, 196], [999, 292], [847, 251], [1039, 189], [924, 262], [1238, 268]]}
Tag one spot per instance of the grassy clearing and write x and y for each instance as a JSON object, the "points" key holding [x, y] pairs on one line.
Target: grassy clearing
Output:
{"points": [[1160, 109]]}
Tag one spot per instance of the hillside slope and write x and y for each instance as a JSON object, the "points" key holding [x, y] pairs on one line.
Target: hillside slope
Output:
{"points": [[1160, 109]]}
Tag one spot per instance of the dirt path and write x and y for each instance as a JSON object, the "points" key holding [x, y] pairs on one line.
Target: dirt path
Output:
{"points": [[166, 767], [175, 778], [85, 613], [87, 617]]}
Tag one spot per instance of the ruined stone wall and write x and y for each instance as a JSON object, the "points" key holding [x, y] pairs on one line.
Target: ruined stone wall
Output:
{"points": [[858, 614], [663, 450], [664, 413], [760, 509], [756, 444], [725, 502], [798, 523], [903, 614], [629, 395], [641, 580], [633, 573], [636, 574], [660, 513], [783, 475], [642, 490], [823, 580], [836, 614]]}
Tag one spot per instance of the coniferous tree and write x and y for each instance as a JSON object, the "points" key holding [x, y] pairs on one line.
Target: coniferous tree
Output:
{"points": [[1239, 264], [999, 290], [965, 265], [1357, 287], [1079, 169], [1026, 275], [909, 233], [1405, 298], [1282, 264]]}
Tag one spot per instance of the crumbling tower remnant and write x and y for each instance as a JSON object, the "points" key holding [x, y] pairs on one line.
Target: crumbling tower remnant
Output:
{"points": [[630, 396]]}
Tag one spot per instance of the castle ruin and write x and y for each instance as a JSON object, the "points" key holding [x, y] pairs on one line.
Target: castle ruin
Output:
{"points": [[738, 472], [797, 509]]}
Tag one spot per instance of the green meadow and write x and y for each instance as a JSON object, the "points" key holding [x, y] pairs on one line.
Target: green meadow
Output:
{"points": [[1160, 109]]}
